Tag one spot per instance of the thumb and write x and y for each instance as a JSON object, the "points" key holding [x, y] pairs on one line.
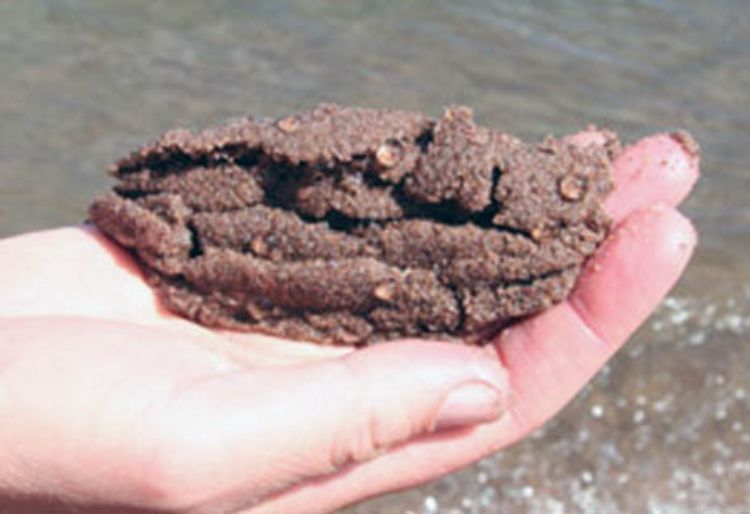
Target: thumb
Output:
{"points": [[256, 432]]}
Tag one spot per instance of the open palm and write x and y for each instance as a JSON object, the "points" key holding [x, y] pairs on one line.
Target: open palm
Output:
{"points": [[110, 401]]}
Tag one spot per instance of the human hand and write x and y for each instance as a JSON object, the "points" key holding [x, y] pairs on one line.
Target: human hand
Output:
{"points": [[112, 403]]}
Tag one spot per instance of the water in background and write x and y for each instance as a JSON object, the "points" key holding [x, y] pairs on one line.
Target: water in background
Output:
{"points": [[665, 428]]}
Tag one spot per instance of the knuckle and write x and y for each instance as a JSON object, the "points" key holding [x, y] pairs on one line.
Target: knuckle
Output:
{"points": [[163, 484], [170, 474], [357, 436], [370, 425]]}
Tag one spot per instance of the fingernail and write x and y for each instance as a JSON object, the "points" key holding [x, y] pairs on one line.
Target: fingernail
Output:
{"points": [[469, 404], [688, 143]]}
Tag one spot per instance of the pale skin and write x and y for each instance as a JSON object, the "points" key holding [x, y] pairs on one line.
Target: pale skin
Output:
{"points": [[110, 403]]}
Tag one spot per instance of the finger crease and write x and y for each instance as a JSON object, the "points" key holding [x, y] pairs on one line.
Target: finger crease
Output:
{"points": [[582, 313]]}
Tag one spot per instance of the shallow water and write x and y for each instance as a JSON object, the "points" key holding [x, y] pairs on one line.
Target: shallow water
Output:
{"points": [[666, 427]]}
